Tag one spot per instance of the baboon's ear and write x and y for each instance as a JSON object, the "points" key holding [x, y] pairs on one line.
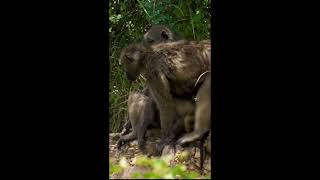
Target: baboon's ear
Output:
{"points": [[134, 56], [164, 35]]}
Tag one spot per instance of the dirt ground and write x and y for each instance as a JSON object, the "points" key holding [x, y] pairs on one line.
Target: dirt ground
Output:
{"points": [[130, 151]]}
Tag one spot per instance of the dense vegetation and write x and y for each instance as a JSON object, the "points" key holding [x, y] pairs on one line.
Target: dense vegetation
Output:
{"points": [[129, 20]]}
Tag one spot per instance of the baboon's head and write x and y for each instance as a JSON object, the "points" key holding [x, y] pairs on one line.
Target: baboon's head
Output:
{"points": [[131, 58], [158, 34]]}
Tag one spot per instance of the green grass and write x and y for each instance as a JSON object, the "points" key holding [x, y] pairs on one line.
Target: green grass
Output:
{"points": [[157, 168]]}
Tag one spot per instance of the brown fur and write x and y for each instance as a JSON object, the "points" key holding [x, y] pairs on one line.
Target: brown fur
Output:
{"points": [[155, 35], [202, 114], [142, 113], [169, 68], [185, 113], [202, 119]]}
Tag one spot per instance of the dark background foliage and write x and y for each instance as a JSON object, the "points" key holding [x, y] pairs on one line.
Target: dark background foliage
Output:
{"points": [[129, 20]]}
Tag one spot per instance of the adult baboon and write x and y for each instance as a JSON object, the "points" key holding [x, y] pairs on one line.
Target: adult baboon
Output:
{"points": [[159, 34], [155, 34], [170, 68], [202, 120], [185, 113], [202, 114]]}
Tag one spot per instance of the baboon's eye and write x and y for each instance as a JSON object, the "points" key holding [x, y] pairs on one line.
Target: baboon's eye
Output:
{"points": [[164, 35]]}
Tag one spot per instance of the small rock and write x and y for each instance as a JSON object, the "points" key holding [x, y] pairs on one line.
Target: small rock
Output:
{"points": [[207, 165], [179, 148], [131, 148], [183, 156], [114, 136], [127, 174], [134, 143], [167, 150], [197, 154], [193, 167], [116, 176]]}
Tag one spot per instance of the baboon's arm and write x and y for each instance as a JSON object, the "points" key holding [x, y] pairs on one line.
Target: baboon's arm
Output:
{"points": [[126, 126], [160, 90], [126, 138]]}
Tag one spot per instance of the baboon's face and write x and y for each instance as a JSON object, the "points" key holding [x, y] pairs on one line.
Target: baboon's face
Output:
{"points": [[157, 34], [131, 60]]}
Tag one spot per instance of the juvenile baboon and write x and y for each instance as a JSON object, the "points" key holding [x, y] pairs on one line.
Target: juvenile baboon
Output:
{"points": [[141, 114], [170, 68], [159, 34]]}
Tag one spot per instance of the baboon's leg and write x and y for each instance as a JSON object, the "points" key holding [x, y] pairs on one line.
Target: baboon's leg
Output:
{"points": [[209, 143], [145, 119], [200, 129], [201, 126], [126, 126], [202, 114], [126, 138]]}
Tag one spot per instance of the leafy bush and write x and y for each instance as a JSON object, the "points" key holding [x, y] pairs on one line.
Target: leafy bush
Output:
{"points": [[159, 168], [128, 21]]}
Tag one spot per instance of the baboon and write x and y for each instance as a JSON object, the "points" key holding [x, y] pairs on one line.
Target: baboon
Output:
{"points": [[142, 113], [155, 34], [202, 114], [202, 148], [202, 120], [185, 113], [170, 68], [159, 34], [208, 148]]}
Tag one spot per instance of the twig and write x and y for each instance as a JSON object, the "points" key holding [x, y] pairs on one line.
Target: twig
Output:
{"points": [[177, 8], [143, 8], [194, 35]]}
